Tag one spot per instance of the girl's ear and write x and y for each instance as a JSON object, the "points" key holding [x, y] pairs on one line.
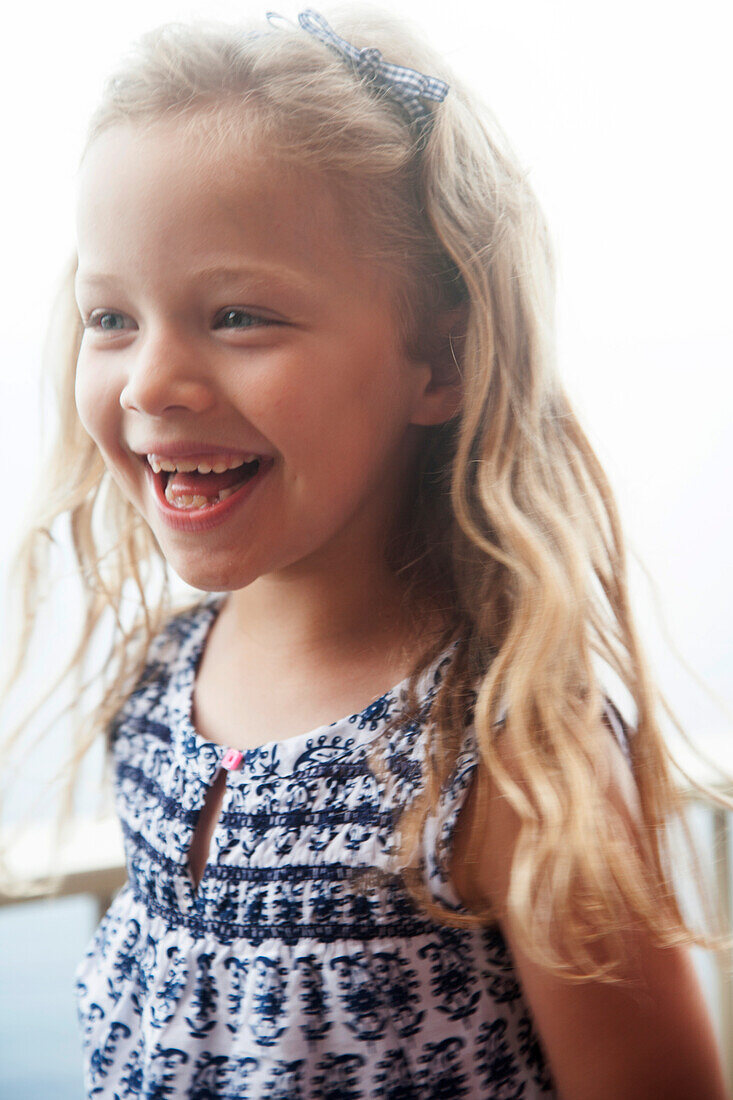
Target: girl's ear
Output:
{"points": [[442, 393]]}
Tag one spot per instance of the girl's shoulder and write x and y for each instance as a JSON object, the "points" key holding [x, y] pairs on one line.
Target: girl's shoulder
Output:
{"points": [[659, 1008], [181, 632], [469, 793], [468, 759], [170, 651]]}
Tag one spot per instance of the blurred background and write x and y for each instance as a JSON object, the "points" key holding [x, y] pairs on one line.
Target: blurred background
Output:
{"points": [[619, 114]]}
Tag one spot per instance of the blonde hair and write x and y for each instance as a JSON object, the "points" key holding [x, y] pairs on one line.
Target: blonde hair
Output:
{"points": [[512, 523]]}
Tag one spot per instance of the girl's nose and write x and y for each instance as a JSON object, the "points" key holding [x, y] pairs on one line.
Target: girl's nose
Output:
{"points": [[166, 373]]}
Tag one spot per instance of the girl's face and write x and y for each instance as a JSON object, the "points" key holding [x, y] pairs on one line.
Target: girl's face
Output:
{"points": [[226, 315]]}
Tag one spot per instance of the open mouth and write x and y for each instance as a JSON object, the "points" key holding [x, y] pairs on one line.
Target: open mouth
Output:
{"points": [[195, 491], [196, 501]]}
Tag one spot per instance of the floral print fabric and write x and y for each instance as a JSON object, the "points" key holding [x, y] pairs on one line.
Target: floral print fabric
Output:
{"points": [[288, 975]]}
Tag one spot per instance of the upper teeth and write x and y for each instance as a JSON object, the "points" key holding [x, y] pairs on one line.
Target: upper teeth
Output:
{"points": [[188, 465]]}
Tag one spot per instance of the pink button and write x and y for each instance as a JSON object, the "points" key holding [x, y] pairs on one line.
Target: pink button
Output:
{"points": [[231, 760]]}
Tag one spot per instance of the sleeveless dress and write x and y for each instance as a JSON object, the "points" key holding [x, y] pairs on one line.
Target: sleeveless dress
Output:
{"points": [[286, 976]]}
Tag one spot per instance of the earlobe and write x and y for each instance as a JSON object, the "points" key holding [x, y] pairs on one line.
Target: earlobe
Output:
{"points": [[438, 404], [443, 393]]}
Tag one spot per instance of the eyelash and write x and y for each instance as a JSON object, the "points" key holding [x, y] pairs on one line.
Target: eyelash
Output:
{"points": [[247, 313], [94, 320]]}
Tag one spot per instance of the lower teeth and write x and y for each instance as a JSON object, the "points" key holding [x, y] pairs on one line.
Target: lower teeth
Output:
{"points": [[183, 501]]}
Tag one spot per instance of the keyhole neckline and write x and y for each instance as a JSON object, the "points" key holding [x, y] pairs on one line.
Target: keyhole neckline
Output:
{"points": [[204, 757]]}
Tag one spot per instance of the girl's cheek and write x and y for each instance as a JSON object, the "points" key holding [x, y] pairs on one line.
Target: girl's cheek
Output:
{"points": [[96, 403], [83, 396]]}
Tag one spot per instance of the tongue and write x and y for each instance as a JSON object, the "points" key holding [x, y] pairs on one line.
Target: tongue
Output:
{"points": [[209, 484]]}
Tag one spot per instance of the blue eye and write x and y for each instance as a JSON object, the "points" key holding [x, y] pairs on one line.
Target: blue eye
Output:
{"points": [[96, 319], [251, 319], [111, 321]]}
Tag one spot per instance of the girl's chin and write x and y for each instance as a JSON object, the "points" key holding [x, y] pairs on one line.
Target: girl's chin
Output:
{"points": [[208, 572], [214, 577]]}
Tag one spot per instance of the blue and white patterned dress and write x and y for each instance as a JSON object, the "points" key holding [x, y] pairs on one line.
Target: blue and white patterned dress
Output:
{"points": [[283, 977]]}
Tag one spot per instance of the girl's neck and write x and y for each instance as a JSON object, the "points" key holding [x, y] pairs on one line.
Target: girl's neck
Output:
{"points": [[272, 670], [321, 621]]}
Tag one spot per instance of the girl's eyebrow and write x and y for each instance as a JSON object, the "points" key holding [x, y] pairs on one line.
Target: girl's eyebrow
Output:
{"points": [[267, 275], [275, 277]]}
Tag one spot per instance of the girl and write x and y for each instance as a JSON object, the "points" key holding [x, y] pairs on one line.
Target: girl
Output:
{"points": [[307, 362]]}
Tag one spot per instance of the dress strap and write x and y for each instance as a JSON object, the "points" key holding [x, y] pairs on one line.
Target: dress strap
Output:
{"points": [[440, 826]]}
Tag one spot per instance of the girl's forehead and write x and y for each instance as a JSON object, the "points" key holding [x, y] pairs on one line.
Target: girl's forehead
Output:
{"points": [[170, 181], [189, 163], [163, 197]]}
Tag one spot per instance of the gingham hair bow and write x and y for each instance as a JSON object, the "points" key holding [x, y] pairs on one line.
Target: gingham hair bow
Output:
{"points": [[408, 87]]}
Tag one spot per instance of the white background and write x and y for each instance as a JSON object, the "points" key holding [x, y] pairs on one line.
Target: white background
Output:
{"points": [[621, 114]]}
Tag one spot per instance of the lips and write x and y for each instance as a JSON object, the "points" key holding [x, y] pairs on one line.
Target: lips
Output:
{"points": [[211, 515], [191, 448]]}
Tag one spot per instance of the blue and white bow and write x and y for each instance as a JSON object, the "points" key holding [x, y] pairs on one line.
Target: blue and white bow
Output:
{"points": [[408, 87]]}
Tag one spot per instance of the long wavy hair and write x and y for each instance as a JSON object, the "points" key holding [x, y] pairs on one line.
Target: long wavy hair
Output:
{"points": [[510, 521]]}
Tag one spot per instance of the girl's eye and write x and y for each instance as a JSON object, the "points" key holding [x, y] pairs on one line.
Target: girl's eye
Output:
{"points": [[97, 320], [241, 318], [110, 321]]}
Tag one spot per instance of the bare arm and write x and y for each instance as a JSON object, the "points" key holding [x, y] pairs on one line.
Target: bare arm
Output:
{"points": [[602, 1042]]}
